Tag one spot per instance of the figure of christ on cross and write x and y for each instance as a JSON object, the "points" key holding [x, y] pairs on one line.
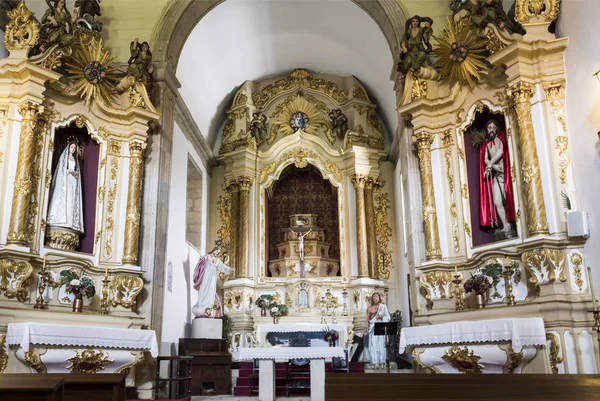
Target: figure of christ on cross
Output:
{"points": [[301, 232]]}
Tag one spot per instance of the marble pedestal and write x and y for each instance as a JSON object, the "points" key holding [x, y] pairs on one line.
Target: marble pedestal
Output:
{"points": [[207, 328]]}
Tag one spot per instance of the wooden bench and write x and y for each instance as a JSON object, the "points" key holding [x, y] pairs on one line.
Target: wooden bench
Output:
{"points": [[429, 387], [28, 387], [62, 387]]}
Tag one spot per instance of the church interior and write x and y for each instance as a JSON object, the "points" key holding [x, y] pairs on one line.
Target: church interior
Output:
{"points": [[299, 199]]}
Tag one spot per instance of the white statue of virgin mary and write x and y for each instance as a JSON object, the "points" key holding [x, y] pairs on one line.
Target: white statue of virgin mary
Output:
{"points": [[66, 206]]}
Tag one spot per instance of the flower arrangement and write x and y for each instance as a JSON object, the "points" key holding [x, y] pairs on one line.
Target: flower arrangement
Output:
{"points": [[263, 301], [478, 283], [80, 286], [278, 310], [331, 336]]}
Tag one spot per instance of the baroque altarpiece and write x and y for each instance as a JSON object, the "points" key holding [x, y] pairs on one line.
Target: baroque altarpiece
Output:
{"points": [[493, 83], [72, 155], [304, 150]]}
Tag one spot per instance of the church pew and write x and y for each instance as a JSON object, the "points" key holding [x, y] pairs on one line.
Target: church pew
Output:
{"points": [[71, 386], [414, 387], [30, 387]]}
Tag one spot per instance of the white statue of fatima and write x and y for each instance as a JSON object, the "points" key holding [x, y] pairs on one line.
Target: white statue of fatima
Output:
{"points": [[377, 312], [66, 206], [205, 282]]}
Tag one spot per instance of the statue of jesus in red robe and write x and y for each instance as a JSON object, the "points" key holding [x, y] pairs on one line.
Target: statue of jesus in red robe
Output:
{"points": [[496, 202]]}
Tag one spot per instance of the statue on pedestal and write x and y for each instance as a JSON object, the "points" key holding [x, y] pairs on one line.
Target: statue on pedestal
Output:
{"points": [[303, 301], [205, 282], [376, 313], [66, 206]]}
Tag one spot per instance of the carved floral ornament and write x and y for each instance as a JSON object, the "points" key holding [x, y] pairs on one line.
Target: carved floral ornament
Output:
{"points": [[527, 10], [22, 32], [301, 158]]}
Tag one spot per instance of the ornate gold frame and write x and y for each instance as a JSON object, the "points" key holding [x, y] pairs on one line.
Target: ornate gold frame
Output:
{"points": [[300, 157]]}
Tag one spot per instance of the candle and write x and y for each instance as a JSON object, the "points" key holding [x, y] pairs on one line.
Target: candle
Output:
{"points": [[592, 287], [507, 261], [455, 269], [106, 271]]}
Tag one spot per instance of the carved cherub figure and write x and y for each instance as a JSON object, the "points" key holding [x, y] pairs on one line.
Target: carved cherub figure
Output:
{"points": [[258, 127], [339, 123]]}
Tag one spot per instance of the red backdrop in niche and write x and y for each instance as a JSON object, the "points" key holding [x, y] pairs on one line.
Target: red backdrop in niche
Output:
{"points": [[89, 179], [303, 191]]}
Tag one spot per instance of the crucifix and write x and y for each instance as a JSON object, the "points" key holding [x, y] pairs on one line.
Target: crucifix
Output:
{"points": [[301, 232]]}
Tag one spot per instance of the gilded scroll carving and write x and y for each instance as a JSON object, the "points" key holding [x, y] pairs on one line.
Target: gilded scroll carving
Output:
{"points": [[554, 350], [3, 354], [124, 290], [526, 10], [383, 232], [14, 278], [110, 204], [89, 361], [544, 264], [23, 31], [437, 285], [463, 360]]}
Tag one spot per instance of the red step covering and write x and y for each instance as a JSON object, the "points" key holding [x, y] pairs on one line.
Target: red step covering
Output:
{"points": [[243, 381]]}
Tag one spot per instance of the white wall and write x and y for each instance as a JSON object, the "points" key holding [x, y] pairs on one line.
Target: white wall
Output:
{"points": [[179, 294], [578, 21]]}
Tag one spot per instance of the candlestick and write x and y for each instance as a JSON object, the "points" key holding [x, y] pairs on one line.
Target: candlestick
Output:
{"points": [[508, 272], [459, 292], [104, 300], [589, 269]]}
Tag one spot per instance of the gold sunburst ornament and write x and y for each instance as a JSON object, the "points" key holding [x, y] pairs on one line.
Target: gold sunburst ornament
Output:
{"points": [[461, 52], [295, 114], [92, 69]]}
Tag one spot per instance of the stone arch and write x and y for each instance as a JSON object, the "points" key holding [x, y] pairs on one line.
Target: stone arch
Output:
{"points": [[179, 17]]}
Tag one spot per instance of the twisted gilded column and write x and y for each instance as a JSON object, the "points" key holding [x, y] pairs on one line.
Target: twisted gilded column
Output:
{"points": [[233, 189], [244, 184], [372, 253], [30, 113], [134, 199], [432, 238], [359, 182], [531, 182]]}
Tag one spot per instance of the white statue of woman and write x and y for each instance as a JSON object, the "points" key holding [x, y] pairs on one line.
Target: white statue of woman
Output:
{"points": [[66, 206], [205, 282], [376, 313]]}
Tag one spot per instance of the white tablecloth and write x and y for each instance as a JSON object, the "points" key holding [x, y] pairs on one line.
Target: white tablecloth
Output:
{"points": [[24, 334], [291, 353], [527, 332]]}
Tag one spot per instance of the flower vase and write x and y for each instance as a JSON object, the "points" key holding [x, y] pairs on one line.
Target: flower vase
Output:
{"points": [[480, 301], [78, 305], [332, 343], [263, 312], [275, 320]]}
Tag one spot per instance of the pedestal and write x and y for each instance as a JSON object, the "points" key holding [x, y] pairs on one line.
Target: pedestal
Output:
{"points": [[207, 328], [317, 380], [266, 379]]}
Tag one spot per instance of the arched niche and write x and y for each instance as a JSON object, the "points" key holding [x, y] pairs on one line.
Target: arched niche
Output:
{"points": [[71, 188], [302, 191]]}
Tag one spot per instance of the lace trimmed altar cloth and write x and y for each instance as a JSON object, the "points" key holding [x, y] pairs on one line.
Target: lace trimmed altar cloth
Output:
{"points": [[26, 334], [291, 353], [523, 332]]}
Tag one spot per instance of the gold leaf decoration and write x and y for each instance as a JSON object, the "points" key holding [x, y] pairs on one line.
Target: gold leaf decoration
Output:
{"points": [[462, 360], [91, 68], [23, 31], [461, 53], [89, 361], [299, 104]]}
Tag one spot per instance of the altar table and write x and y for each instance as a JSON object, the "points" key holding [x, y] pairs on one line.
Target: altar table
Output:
{"points": [[54, 348], [266, 365], [485, 346], [263, 329]]}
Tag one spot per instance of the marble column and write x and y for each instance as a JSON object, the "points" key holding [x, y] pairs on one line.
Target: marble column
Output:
{"points": [[134, 200], [244, 184], [430, 225], [361, 227], [531, 182], [23, 185], [370, 183]]}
